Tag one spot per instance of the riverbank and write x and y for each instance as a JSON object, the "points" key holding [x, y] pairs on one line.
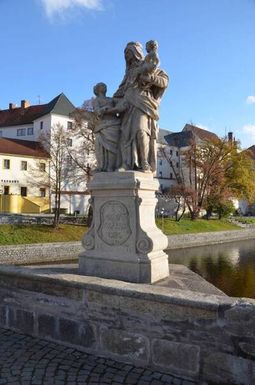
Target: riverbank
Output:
{"points": [[69, 251], [186, 226], [182, 241]]}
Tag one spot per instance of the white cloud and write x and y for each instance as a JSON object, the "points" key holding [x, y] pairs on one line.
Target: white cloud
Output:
{"points": [[250, 100], [249, 129], [53, 7]]}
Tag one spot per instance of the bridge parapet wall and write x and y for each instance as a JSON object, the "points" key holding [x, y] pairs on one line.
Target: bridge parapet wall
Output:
{"points": [[203, 338]]}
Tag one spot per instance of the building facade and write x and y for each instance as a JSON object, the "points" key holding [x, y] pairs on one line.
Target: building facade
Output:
{"points": [[18, 191], [26, 166]]}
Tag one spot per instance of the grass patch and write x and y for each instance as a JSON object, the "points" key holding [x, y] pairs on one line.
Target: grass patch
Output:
{"points": [[246, 220], [21, 234], [186, 226]]}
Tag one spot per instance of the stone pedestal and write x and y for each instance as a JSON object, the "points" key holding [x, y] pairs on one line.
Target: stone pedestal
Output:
{"points": [[123, 241]]}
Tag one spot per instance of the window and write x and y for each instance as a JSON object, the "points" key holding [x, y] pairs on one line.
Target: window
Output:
{"points": [[177, 164], [177, 153], [6, 190], [1, 133], [160, 174], [42, 167], [160, 162], [42, 192], [171, 152], [23, 165], [41, 125], [30, 131], [21, 132], [171, 175], [69, 142], [7, 163], [69, 125], [23, 191]]}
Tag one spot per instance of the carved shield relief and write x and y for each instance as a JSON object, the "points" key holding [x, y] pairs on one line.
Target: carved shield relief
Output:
{"points": [[114, 227]]}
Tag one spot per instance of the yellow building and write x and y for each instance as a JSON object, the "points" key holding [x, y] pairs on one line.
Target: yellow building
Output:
{"points": [[21, 191]]}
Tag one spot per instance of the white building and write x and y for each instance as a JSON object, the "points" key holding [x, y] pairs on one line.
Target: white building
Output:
{"points": [[171, 161], [21, 156], [167, 156]]}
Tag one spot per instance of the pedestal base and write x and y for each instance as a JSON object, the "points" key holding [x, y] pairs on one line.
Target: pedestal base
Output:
{"points": [[123, 241]]}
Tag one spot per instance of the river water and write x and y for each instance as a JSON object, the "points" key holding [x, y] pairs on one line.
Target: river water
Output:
{"points": [[228, 266]]}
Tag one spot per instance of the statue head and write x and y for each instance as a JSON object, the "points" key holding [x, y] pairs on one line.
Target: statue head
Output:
{"points": [[151, 46], [133, 52], [100, 89]]}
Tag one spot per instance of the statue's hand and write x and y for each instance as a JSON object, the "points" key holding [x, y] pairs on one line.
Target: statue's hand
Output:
{"points": [[100, 112], [145, 78]]}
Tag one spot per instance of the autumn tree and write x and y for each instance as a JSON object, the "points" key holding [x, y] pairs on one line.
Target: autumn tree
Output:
{"points": [[213, 170], [63, 173], [83, 153]]}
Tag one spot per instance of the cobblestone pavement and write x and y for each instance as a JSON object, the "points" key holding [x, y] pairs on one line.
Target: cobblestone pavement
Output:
{"points": [[25, 360]]}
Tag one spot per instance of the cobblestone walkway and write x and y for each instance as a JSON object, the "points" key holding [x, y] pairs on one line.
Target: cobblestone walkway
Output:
{"points": [[26, 360]]}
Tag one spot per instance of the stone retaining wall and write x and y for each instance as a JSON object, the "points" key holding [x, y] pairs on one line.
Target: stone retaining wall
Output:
{"points": [[207, 339], [39, 253], [30, 219], [181, 241], [61, 251]]}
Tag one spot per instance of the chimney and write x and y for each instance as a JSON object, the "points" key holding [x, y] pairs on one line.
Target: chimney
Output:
{"points": [[230, 137], [12, 106], [25, 104]]}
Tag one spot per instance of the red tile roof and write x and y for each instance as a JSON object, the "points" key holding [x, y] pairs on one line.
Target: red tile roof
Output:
{"points": [[22, 147], [19, 116]]}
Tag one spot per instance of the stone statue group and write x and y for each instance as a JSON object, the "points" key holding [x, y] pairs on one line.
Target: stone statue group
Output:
{"points": [[126, 125]]}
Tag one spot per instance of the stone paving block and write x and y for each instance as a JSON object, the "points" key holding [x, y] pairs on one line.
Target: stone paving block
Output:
{"points": [[47, 326], [76, 333], [21, 320], [176, 357], [227, 369], [133, 347], [43, 371], [2, 317]]}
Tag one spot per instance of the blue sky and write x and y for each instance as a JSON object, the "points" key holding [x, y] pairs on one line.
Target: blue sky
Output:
{"points": [[206, 47]]}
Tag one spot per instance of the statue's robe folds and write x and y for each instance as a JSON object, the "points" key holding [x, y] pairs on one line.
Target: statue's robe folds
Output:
{"points": [[141, 114], [107, 132]]}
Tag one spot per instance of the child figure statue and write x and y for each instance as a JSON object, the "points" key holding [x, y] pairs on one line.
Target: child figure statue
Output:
{"points": [[150, 63], [151, 60], [107, 129]]}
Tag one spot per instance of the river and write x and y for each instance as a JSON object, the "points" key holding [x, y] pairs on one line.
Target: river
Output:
{"points": [[228, 266]]}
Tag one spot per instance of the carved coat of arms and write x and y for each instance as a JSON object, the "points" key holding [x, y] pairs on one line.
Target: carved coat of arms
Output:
{"points": [[114, 229]]}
